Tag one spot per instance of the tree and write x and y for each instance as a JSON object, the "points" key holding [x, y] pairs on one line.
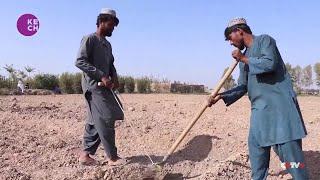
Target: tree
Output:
{"points": [[129, 84], [296, 76], [144, 85], [230, 82], [289, 68], [307, 76], [29, 70], [76, 84], [11, 71], [21, 74], [46, 81], [291, 71], [65, 83], [316, 69]]}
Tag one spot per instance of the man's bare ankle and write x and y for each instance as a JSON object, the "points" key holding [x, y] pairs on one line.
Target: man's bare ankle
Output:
{"points": [[84, 154]]}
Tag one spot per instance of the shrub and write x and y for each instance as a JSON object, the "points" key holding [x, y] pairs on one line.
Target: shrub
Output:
{"points": [[7, 83], [76, 84], [30, 82], [46, 81], [4, 91], [70, 83], [144, 85], [121, 80], [129, 84], [66, 83]]}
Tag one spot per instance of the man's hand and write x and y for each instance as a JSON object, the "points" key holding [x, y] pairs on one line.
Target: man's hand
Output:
{"points": [[115, 82], [106, 82], [212, 100], [237, 54]]}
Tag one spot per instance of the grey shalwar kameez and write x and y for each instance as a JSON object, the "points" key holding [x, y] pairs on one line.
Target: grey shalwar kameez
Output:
{"points": [[95, 59]]}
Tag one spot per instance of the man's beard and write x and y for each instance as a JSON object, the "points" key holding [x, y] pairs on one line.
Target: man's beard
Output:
{"points": [[109, 33], [241, 47]]}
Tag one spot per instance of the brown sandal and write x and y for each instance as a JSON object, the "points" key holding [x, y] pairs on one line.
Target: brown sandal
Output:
{"points": [[118, 162], [88, 162]]}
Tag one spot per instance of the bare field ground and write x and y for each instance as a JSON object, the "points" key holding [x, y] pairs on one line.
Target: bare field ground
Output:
{"points": [[40, 137]]}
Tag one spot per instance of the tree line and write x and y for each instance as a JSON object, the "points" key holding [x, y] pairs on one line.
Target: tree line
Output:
{"points": [[301, 77], [70, 83]]}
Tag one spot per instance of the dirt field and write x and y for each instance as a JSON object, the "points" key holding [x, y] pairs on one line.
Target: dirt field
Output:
{"points": [[40, 137]]}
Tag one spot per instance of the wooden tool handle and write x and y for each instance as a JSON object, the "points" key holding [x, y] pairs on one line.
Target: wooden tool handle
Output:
{"points": [[198, 115], [224, 78]]}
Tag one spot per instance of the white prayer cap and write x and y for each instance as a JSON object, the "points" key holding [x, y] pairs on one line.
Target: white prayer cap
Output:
{"points": [[111, 12], [108, 11], [237, 21]]}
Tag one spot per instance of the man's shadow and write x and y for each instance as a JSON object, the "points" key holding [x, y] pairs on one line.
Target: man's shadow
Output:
{"points": [[196, 150], [312, 160]]}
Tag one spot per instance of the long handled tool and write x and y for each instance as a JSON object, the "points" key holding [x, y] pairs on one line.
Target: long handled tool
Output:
{"points": [[159, 165], [196, 118]]}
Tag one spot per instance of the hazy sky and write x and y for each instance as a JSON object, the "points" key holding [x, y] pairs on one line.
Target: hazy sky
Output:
{"points": [[174, 39]]}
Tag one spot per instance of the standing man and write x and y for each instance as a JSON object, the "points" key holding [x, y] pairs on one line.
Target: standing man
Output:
{"points": [[95, 59], [20, 86], [276, 119]]}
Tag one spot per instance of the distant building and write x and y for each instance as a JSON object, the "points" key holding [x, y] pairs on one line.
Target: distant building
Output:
{"points": [[310, 92], [186, 88]]}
